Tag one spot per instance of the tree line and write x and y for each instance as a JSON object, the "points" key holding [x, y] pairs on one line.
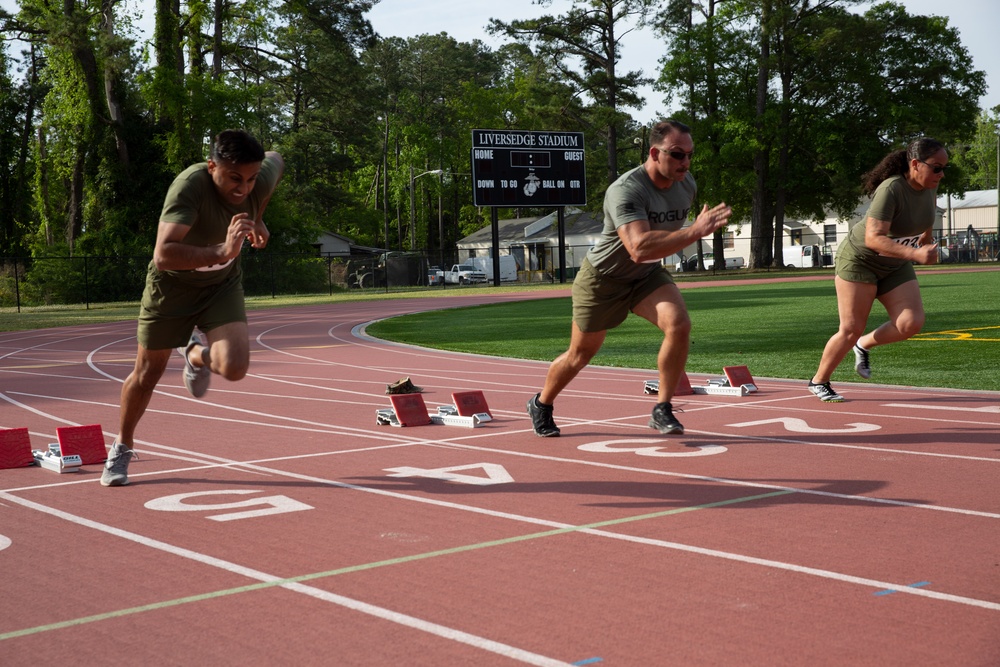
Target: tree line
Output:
{"points": [[790, 102]]}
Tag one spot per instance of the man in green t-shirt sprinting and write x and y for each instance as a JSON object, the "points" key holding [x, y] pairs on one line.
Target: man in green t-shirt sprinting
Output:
{"points": [[195, 280], [644, 215]]}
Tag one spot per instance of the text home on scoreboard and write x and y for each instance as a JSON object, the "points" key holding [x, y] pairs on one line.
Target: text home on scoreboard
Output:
{"points": [[511, 168]]}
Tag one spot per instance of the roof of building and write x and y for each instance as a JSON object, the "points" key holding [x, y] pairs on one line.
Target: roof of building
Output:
{"points": [[511, 232], [973, 199], [580, 225]]}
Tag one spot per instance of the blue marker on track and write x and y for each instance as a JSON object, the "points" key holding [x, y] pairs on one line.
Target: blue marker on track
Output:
{"points": [[919, 584]]}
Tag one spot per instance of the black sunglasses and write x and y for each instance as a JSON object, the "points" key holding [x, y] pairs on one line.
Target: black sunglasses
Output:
{"points": [[936, 168], [679, 155]]}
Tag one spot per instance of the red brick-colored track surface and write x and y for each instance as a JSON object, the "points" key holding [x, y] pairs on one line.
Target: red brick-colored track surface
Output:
{"points": [[274, 523]]}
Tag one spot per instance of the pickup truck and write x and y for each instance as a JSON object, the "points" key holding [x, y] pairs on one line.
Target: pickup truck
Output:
{"points": [[461, 274]]}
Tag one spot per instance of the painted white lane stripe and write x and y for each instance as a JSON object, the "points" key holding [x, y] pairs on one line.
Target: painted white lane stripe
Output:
{"points": [[442, 631], [597, 464], [993, 409]]}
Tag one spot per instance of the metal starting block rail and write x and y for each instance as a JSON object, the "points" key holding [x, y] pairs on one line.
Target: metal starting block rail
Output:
{"points": [[712, 388], [410, 410], [56, 462], [737, 382], [724, 390], [448, 415]]}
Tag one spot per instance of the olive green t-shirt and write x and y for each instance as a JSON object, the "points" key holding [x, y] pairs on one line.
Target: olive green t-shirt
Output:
{"points": [[193, 200], [910, 213], [634, 197]]}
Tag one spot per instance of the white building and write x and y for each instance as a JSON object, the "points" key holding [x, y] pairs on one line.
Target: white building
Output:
{"points": [[534, 241], [978, 208]]}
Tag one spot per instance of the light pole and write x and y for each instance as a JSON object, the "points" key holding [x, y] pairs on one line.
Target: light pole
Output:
{"points": [[385, 183], [451, 175], [413, 233], [997, 249]]}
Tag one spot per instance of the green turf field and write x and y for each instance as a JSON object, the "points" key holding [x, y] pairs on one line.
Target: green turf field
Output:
{"points": [[776, 329]]}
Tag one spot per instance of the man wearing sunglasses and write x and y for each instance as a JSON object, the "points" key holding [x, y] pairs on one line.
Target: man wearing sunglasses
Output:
{"points": [[875, 260], [644, 215]]}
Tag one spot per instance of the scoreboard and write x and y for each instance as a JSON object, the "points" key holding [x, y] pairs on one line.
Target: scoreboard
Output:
{"points": [[514, 168]]}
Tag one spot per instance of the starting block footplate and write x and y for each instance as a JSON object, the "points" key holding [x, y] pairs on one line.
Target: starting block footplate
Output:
{"points": [[15, 448], [87, 442], [53, 460]]}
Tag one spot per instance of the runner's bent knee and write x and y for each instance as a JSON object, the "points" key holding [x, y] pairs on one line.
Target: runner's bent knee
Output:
{"points": [[910, 325], [229, 363]]}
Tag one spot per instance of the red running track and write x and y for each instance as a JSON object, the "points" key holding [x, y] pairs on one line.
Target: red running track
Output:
{"points": [[273, 523]]}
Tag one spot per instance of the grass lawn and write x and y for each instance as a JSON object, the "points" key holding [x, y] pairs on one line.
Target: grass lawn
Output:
{"points": [[776, 329]]}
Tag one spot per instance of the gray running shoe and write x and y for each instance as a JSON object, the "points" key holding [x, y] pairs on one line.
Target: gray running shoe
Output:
{"points": [[861, 364], [663, 420], [115, 471], [825, 392], [541, 418], [195, 378]]}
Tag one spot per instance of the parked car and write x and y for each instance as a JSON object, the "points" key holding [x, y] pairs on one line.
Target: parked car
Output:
{"points": [[691, 263], [435, 276]]}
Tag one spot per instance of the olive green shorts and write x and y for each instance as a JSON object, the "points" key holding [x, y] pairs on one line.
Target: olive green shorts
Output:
{"points": [[171, 309], [885, 279], [601, 303]]}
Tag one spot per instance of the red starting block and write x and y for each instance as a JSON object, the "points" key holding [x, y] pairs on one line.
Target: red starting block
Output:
{"points": [[470, 403], [87, 442], [406, 410], [15, 448], [739, 376]]}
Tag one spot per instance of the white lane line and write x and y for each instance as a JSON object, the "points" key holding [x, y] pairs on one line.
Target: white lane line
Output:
{"points": [[429, 627], [320, 427]]}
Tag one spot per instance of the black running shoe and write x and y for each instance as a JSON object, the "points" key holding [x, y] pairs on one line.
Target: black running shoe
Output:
{"points": [[663, 420], [825, 392], [541, 418]]}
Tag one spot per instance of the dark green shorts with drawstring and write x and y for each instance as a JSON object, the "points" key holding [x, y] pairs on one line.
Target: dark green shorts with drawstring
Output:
{"points": [[601, 303]]}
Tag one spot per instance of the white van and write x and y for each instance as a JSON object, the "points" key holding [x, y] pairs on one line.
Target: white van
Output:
{"points": [[801, 256], [508, 267]]}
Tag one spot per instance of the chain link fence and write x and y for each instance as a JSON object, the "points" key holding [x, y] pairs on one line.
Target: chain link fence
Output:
{"points": [[42, 281]]}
